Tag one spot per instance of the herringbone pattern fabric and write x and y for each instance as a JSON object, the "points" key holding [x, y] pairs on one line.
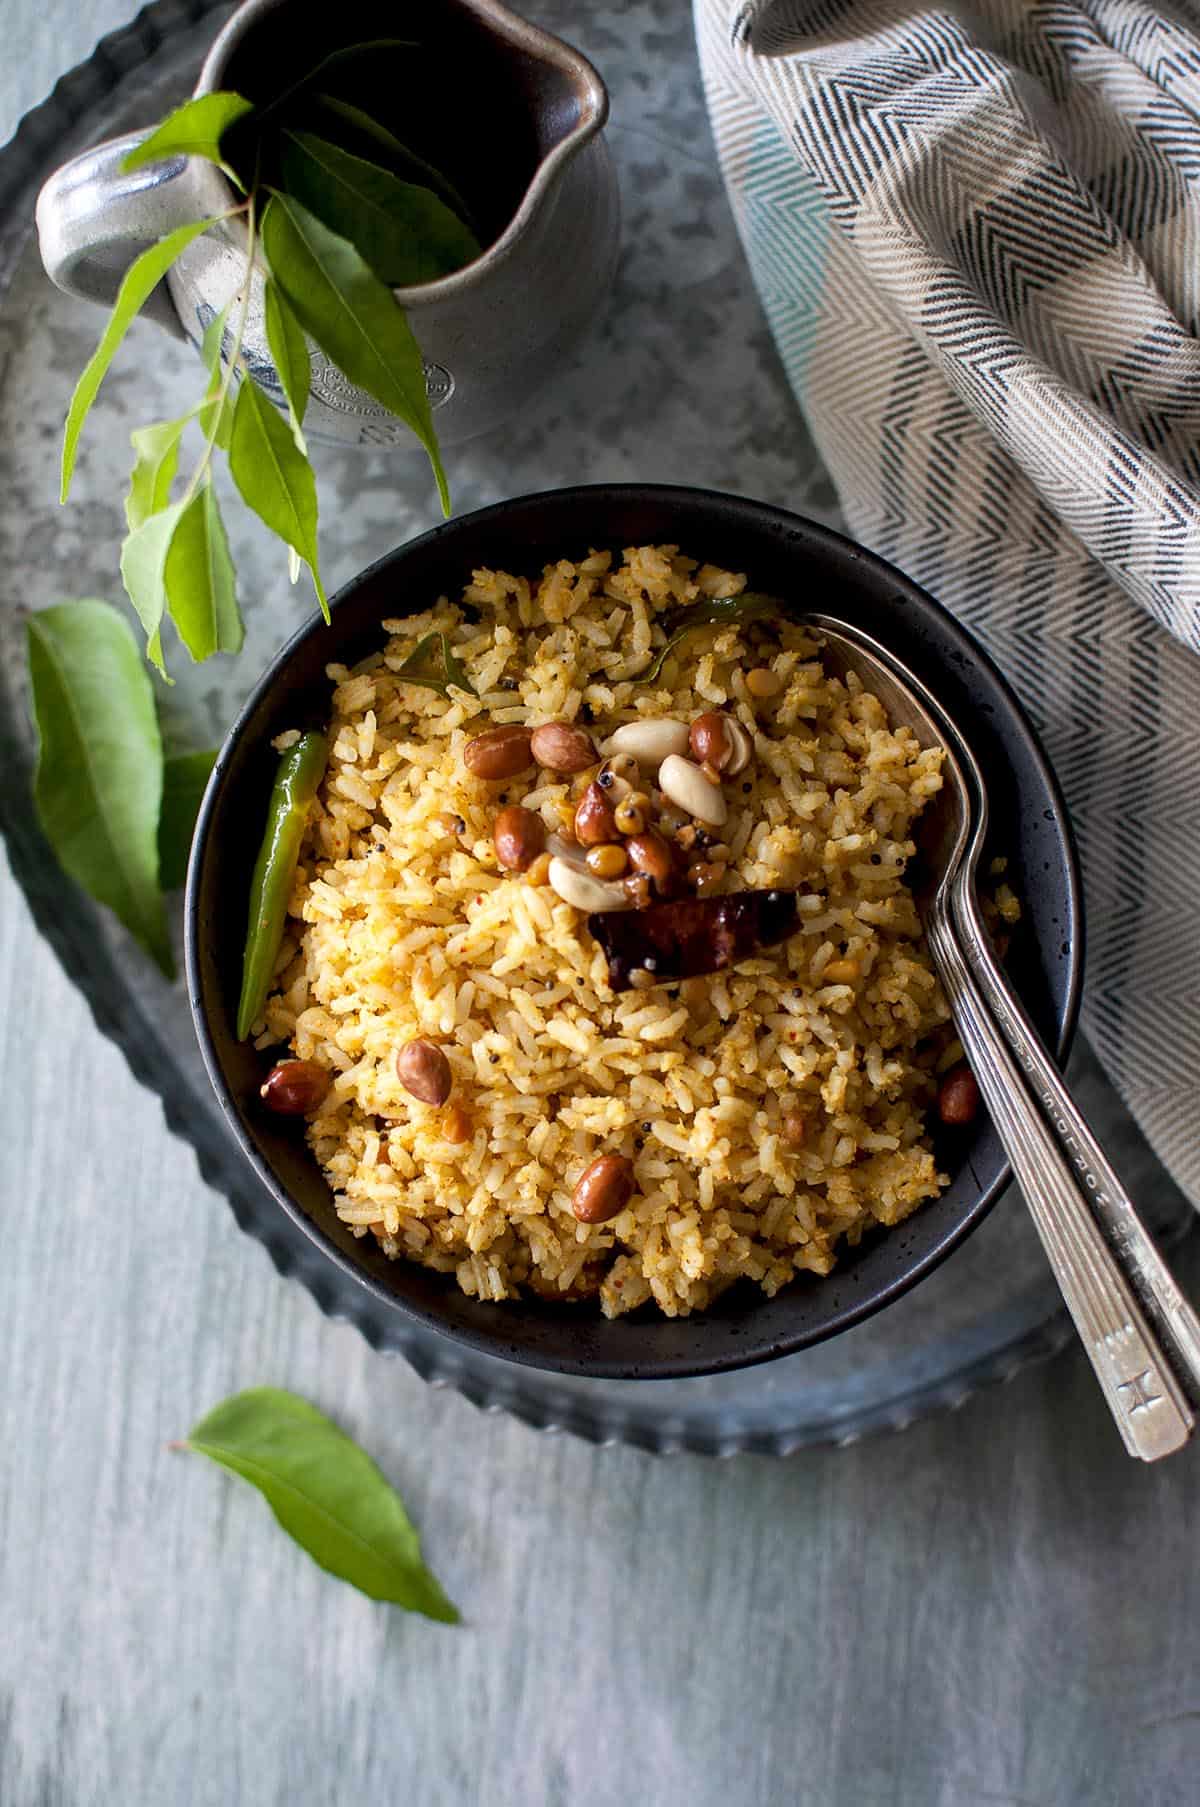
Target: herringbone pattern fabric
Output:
{"points": [[976, 233]]}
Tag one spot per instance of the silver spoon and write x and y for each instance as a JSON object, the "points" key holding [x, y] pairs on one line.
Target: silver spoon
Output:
{"points": [[1097, 1278]]}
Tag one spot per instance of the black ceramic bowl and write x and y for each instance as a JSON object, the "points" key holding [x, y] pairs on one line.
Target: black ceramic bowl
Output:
{"points": [[779, 552]]}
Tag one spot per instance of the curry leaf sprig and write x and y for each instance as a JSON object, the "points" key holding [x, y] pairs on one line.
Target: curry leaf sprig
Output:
{"points": [[335, 218]]}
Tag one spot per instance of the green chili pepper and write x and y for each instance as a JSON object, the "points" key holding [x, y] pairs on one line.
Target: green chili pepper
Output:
{"points": [[301, 770]]}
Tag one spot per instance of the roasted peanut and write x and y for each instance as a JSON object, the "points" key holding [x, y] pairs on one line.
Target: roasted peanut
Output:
{"points": [[595, 822], [499, 753], [294, 1088], [649, 853], [424, 1071], [685, 784], [709, 740], [743, 749], [518, 836], [610, 860], [539, 872], [650, 741], [583, 890], [603, 1190], [561, 747], [958, 1097]]}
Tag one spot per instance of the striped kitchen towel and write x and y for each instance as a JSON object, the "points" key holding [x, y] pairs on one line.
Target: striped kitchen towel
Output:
{"points": [[975, 228]]}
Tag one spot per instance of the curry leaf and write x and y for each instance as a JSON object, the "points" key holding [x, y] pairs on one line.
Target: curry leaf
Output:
{"points": [[289, 352], [192, 130], [326, 1492], [352, 316], [275, 478], [212, 344], [344, 52], [184, 777], [143, 572], [99, 778], [198, 576], [215, 412], [404, 232], [420, 668], [142, 277], [408, 163], [713, 611], [157, 460]]}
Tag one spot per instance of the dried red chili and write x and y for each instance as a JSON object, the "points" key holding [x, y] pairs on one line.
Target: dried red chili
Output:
{"points": [[690, 936]]}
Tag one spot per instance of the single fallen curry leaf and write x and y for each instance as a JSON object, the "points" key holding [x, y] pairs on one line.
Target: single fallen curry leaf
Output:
{"points": [[327, 1494]]}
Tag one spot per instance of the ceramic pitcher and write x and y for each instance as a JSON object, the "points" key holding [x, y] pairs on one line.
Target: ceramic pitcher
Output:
{"points": [[529, 152]]}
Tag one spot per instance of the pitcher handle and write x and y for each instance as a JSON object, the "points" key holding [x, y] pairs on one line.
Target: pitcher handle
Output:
{"points": [[94, 218]]}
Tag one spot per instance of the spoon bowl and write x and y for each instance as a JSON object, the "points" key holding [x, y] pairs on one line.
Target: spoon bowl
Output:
{"points": [[952, 827]]}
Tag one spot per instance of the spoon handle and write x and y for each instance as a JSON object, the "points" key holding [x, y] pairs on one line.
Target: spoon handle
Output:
{"points": [[1135, 1377], [1172, 1316]]}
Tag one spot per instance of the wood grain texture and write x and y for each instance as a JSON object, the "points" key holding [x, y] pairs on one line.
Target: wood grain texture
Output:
{"points": [[995, 1609]]}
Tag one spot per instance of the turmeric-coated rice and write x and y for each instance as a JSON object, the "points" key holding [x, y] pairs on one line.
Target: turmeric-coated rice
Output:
{"points": [[769, 1110]]}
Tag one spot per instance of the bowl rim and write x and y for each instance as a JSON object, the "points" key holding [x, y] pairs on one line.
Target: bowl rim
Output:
{"points": [[608, 495]]}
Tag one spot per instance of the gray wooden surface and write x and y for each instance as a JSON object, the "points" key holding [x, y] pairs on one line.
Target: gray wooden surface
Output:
{"points": [[992, 1610]]}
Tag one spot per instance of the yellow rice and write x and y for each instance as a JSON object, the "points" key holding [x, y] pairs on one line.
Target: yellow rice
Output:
{"points": [[404, 928]]}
